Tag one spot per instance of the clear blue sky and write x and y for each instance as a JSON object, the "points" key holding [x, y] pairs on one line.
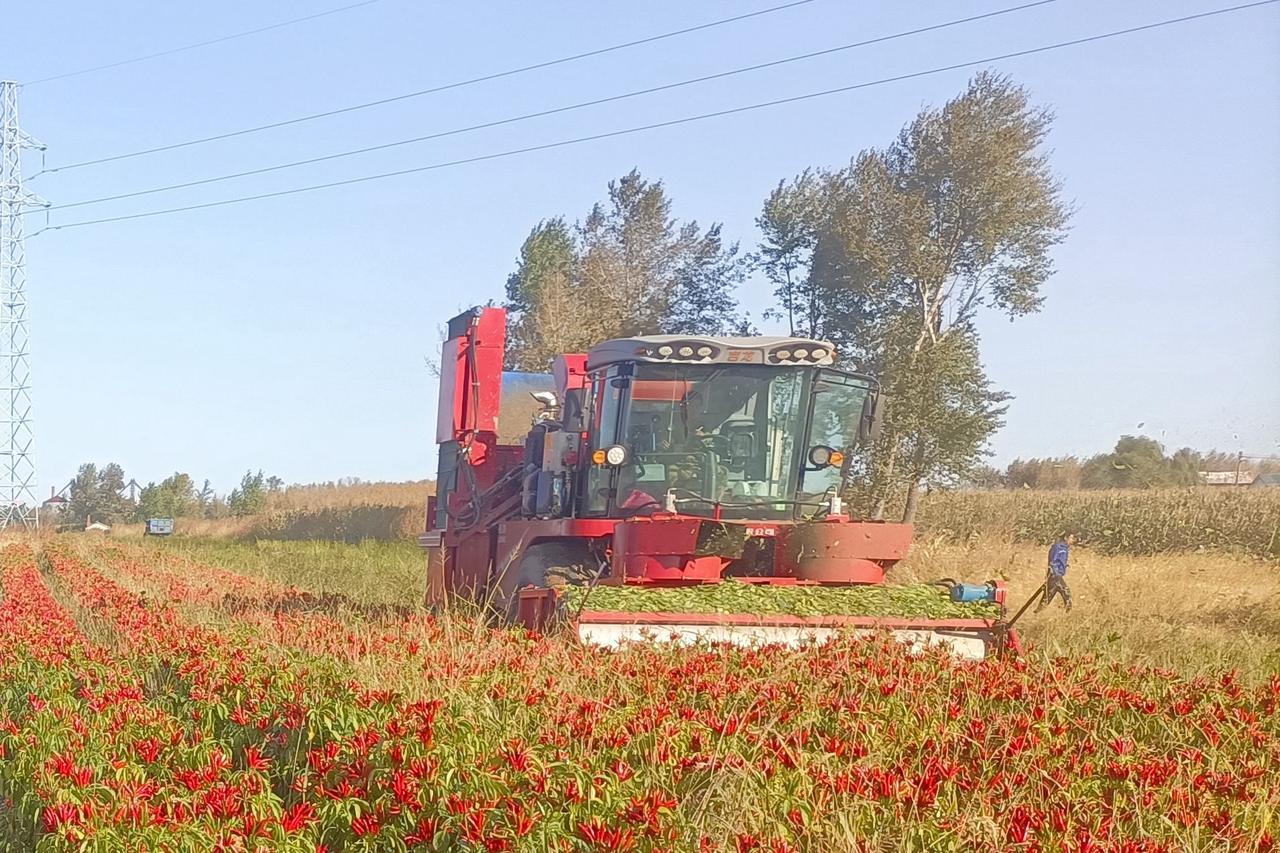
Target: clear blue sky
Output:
{"points": [[292, 334]]}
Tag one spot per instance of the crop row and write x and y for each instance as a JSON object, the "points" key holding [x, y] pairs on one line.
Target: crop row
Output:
{"points": [[538, 744]]}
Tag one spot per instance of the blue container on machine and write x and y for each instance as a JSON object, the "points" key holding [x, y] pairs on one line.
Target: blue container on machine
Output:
{"points": [[971, 592]]}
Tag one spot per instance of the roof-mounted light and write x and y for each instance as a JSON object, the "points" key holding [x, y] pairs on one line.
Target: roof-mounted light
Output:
{"points": [[801, 355], [678, 350]]}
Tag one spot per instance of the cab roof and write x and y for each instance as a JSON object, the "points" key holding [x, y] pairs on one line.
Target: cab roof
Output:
{"points": [[700, 349]]}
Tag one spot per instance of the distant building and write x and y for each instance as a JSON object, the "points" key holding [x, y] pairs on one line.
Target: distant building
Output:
{"points": [[1226, 478], [55, 504], [1262, 480]]}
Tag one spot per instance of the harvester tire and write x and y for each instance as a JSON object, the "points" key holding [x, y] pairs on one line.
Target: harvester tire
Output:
{"points": [[547, 565]]}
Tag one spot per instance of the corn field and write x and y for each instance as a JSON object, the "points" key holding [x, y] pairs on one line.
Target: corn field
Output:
{"points": [[1117, 522], [342, 523], [1139, 522]]}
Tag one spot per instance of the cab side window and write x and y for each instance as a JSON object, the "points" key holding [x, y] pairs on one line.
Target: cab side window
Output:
{"points": [[606, 410]]}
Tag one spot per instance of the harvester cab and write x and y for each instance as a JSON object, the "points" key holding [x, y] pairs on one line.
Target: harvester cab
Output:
{"points": [[660, 463]]}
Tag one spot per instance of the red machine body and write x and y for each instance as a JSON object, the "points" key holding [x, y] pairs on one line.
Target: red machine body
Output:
{"points": [[524, 485]]}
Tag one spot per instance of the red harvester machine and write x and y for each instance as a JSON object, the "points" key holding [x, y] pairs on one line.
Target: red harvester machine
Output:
{"points": [[661, 461]]}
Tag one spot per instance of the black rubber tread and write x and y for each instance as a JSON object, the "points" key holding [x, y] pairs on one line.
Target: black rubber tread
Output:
{"points": [[548, 565]]}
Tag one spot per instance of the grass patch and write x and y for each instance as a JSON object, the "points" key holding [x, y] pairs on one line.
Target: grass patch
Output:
{"points": [[1193, 613], [371, 572]]}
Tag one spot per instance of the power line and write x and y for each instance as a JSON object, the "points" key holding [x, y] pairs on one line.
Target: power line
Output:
{"points": [[669, 123], [198, 44], [434, 89], [543, 113]]}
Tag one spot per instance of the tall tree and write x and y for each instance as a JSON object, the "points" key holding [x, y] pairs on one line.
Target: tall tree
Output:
{"points": [[97, 494], [1138, 462], [909, 244], [206, 495], [250, 498], [542, 297], [114, 504], [628, 268], [82, 495], [789, 226], [952, 412], [706, 275], [173, 497]]}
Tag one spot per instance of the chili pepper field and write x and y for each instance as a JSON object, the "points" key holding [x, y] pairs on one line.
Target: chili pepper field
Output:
{"points": [[151, 700]]}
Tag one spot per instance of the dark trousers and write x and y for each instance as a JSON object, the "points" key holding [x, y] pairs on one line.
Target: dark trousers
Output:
{"points": [[1055, 585]]}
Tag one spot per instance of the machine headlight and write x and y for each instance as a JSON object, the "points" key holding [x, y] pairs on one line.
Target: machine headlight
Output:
{"points": [[615, 455], [818, 354], [821, 456], [705, 352], [686, 352], [665, 350], [783, 353], [802, 353]]}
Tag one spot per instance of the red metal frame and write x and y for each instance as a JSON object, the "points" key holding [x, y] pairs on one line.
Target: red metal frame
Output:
{"points": [[570, 372], [470, 374]]}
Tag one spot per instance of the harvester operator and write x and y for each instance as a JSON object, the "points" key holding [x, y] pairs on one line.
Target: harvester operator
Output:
{"points": [[1055, 582], [684, 453]]}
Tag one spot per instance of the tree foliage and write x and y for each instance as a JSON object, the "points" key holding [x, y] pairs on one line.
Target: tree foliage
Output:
{"points": [[97, 495], [250, 497], [101, 494], [540, 296], [1058, 474], [789, 230], [903, 249], [173, 497], [1138, 462], [628, 268]]}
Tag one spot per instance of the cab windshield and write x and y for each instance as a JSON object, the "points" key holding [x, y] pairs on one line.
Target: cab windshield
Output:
{"points": [[703, 434], [735, 437]]}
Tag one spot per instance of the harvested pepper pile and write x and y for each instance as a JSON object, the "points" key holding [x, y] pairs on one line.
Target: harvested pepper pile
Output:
{"points": [[730, 596]]}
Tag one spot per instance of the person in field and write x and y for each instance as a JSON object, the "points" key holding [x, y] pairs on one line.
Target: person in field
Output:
{"points": [[1055, 582]]}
